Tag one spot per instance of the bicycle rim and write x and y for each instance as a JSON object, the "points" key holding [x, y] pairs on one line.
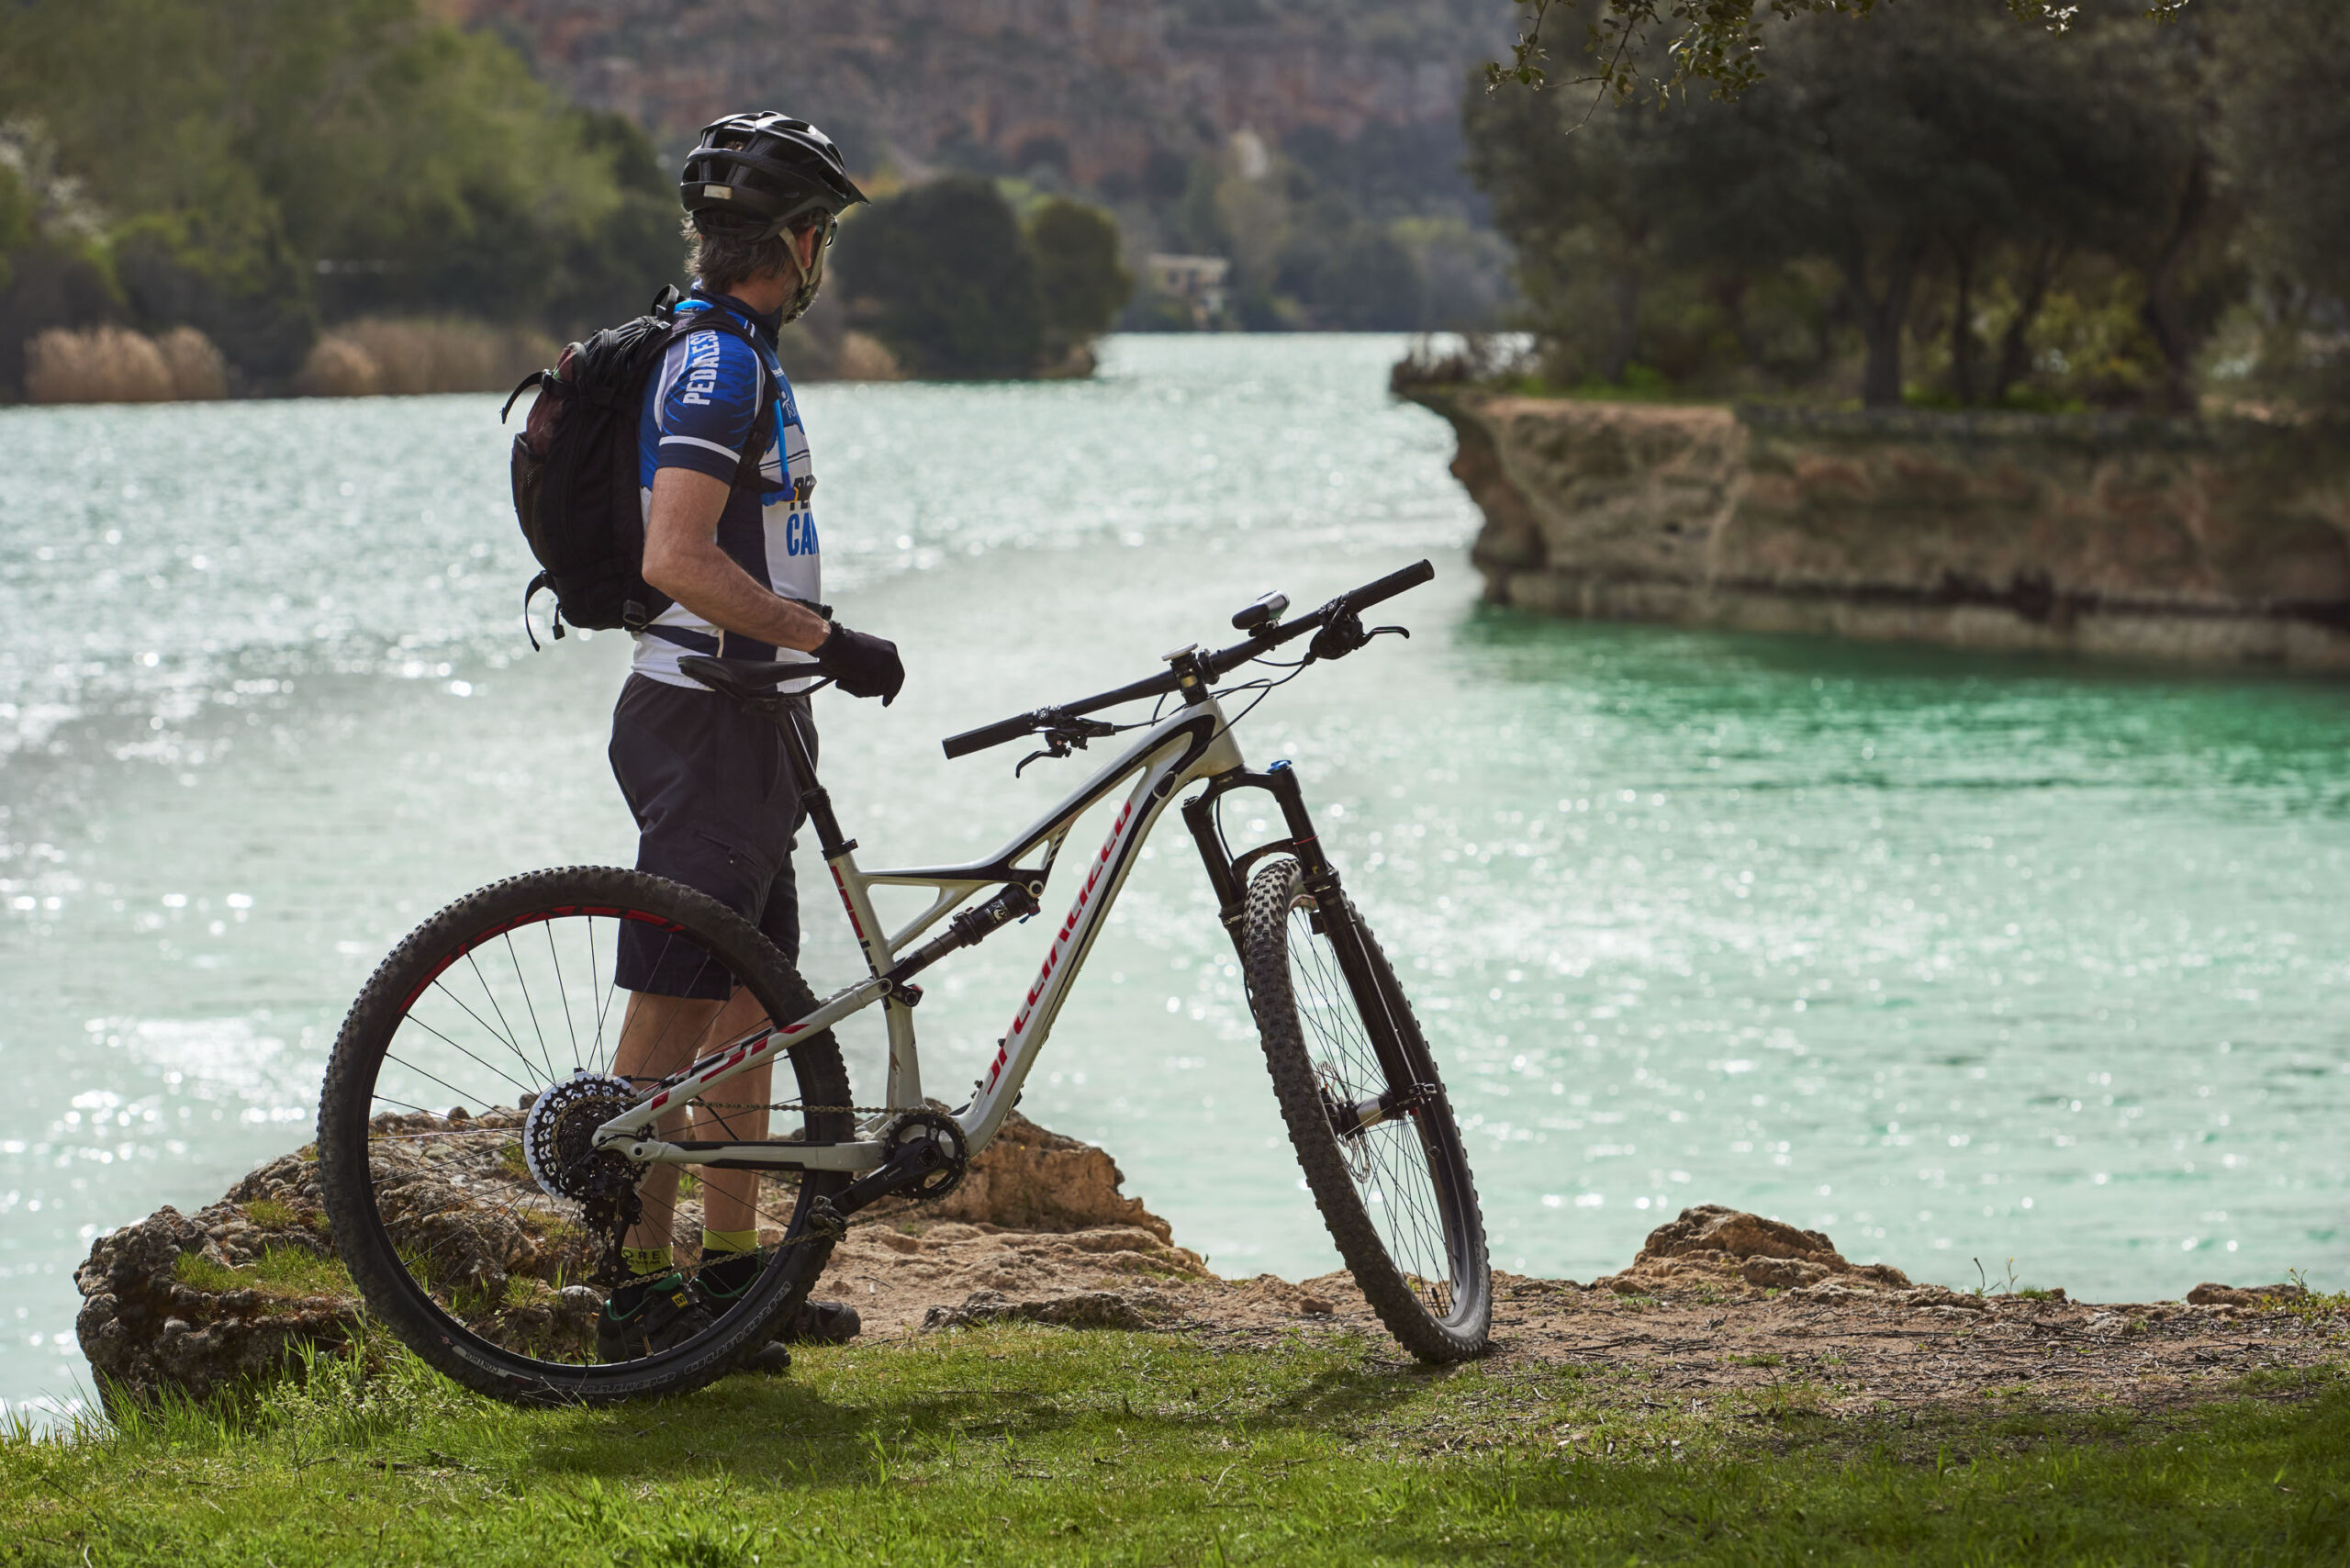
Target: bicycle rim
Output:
{"points": [[467, 1196]]}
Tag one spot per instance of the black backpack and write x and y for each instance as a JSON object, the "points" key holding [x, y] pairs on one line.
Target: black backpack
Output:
{"points": [[577, 490]]}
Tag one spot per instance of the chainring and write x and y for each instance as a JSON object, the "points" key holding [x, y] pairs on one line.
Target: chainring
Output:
{"points": [[955, 1148]]}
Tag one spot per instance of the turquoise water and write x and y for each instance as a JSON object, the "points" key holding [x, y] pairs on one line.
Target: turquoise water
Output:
{"points": [[1952, 956]]}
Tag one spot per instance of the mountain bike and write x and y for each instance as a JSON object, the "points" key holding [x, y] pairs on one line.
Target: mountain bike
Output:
{"points": [[482, 1159]]}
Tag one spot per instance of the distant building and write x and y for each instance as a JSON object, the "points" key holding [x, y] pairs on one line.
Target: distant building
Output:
{"points": [[1197, 281]]}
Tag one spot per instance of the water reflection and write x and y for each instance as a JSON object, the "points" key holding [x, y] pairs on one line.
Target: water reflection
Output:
{"points": [[1952, 956]]}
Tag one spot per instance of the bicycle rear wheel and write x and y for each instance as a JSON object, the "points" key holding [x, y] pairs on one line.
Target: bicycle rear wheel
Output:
{"points": [[464, 1198], [1375, 1137]]}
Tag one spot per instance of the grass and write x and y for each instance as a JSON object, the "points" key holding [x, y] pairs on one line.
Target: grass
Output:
{"points": [[1017, 1444], [279, 1270]]}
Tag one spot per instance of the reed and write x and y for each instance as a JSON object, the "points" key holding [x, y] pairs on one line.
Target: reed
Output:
{"points": [[97, 364], [337, 367], [409, 357], [199, 371]]}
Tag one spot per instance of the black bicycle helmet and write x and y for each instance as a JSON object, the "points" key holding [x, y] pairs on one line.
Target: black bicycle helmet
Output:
{"points": [[764, 173]]}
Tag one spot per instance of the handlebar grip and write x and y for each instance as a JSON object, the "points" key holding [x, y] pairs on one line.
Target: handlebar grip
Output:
{"points": [[1388, 587], [986, 736]]}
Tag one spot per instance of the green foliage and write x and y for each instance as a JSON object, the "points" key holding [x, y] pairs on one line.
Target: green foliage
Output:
{"points": [[2284, 83], [1114, 1448], [1374, 234], [1664, 46], [1936, 185], [1080, 278], [263, 165], [17, 216], [953, 284]]}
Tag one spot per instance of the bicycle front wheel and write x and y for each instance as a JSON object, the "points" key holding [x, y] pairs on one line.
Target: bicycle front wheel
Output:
{"points": [[456, 1127], [1373, 1131]]}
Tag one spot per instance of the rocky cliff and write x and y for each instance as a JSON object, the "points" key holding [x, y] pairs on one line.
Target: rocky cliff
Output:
{"points": [[2215, 541], [1095, 86]]}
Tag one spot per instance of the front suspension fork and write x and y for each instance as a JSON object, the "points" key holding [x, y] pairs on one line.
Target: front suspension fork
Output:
{"points": [[1228, 876]]}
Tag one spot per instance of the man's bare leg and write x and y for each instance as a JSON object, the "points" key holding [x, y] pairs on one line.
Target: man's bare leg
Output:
{"points": [[658, 1036], [730, 1199]]}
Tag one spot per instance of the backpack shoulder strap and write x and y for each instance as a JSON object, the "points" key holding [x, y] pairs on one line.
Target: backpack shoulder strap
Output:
{"points": [[762, 432]]}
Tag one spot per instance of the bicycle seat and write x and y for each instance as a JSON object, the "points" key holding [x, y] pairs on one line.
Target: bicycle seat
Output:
{"points": [[747, 680]]}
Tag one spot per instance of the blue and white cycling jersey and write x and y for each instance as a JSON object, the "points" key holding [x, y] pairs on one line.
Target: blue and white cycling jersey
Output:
{"points": [[699, 409]]}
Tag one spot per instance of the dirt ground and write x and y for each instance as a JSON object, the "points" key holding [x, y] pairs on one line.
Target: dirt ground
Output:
{"points": [[1716, 1303], [1688, 1321]]}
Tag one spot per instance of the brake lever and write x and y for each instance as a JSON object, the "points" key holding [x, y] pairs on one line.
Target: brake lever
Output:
{"points": [[1066, 732], [1055, 746], [1343, 634]]}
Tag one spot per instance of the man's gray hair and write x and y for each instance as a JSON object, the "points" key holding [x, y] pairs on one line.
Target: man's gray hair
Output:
{"points": [[724, 260]]}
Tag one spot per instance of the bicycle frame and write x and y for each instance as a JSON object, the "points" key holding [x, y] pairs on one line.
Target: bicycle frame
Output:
{"points": [[1190, 745]]}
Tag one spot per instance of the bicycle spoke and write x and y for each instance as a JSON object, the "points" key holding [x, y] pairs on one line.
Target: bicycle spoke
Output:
{"points": [[528, 1065], [507, 1032], [532, 1006], [569, 1028]]}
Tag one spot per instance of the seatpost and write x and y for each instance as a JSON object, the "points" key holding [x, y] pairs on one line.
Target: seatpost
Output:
{"points": [[813, 799]]}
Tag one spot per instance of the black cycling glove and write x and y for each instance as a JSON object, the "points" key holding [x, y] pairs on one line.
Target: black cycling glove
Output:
{"points": [[863, 666]]}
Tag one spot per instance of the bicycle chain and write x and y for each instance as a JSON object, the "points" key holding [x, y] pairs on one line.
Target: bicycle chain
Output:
{"points": [[877, 1212]]}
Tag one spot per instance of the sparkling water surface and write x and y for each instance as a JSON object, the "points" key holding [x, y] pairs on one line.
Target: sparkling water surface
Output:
{"points": [[1954, 957]]}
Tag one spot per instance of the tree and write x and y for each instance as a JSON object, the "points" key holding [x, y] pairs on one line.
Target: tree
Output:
{"points": [[2284, 149], [1930, 145], [943, 277], [262, 162], [1665, 45], [1080, 279]]}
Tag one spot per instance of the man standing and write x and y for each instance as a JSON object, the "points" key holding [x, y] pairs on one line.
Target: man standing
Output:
{"points": [[731, 539]]}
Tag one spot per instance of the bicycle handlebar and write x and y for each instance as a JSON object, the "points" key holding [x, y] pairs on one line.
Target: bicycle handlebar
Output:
{"points": [[1222, 661]]}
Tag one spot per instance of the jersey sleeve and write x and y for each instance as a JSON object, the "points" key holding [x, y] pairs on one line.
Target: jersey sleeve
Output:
{"points": [[708, 409]]}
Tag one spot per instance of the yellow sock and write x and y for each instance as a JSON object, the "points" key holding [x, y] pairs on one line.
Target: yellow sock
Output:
{"points": [[715, 1241], [649, 1259]]}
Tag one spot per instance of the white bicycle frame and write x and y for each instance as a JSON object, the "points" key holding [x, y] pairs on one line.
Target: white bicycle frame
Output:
{"points": [[1193, 744]]}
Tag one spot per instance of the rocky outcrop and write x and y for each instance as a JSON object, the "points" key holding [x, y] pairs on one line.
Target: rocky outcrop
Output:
{"points": [[1077, 1309], [1032, 1179], [1712, 1246], [2213, 542], [193, 1303], [174, 1302], [2210, 1294]]}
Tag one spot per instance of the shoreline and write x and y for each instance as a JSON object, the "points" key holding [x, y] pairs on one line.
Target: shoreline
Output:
{"points": [[2216, 543], [1041, 1232]]}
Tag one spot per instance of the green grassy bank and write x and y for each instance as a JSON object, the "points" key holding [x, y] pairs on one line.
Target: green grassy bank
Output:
{"points": [[1032, 1445]]}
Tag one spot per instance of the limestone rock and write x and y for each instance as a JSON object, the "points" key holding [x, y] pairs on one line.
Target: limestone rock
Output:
{"points": [[1076, 1309], [146, 1329], [1717, 1246], [2210, 1294], [2222, 541], [1032, 1179], [193, 1303]]}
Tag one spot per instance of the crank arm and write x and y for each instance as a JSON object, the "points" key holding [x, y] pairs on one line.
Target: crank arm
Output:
{"points": [[910, 1166]]}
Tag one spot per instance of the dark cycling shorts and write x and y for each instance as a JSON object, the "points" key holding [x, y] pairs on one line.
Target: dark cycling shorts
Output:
{"points": [[716, 807]]}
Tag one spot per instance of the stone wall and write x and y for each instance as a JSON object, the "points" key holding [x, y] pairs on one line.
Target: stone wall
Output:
{"points": [[2214, 542]]}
